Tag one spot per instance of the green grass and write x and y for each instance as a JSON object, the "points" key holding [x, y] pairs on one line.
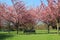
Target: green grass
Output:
{"points": [[40, 35]]}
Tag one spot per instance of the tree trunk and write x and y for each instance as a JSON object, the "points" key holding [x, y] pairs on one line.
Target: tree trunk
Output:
{"points": [[0, 28], [9, 27], [48, 29], [17, 28], [57, 28]]}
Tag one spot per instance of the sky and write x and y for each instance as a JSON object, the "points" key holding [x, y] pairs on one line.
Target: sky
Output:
{"points": [[28, 3]]}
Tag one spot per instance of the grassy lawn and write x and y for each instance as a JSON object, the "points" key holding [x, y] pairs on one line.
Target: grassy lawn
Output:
{"points": [[40, 35]]}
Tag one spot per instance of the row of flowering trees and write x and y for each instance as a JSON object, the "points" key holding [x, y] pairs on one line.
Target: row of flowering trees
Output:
{"points": [[50, 14], [20, 16]]}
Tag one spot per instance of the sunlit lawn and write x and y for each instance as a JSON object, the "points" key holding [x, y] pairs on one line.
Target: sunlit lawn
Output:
{"points": [[40, 35]]}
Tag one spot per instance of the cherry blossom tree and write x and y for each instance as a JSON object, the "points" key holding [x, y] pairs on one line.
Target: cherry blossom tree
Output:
{"points": [[50, 14], [2, 11], [54, 6]]}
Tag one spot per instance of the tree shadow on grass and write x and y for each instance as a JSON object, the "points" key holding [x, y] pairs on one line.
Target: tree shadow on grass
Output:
{"points": [[38, 33], [3, 36], [47, 33]]}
